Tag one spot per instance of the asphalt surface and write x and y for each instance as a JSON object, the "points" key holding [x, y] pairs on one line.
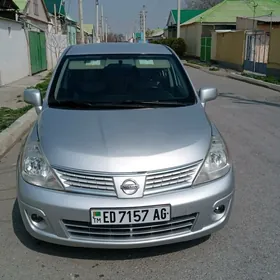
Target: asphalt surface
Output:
{"points": [[247, 248]]}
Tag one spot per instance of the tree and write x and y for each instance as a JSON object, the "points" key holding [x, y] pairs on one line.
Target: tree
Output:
{"points": [[56, 44], [120, 37], [112, 37], [149, 33], [201, 4]]}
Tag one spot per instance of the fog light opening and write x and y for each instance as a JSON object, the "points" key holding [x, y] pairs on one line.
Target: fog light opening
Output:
{"points": [[220, 209], [36, 218], [38, 221]]}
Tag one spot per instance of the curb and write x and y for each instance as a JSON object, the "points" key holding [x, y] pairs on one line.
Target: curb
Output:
{"points": [[191, 65], [254, 82], [215, 73], [10, 136]]}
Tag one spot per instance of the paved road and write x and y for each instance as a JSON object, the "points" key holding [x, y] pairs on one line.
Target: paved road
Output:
{"points": [[249, 246]]}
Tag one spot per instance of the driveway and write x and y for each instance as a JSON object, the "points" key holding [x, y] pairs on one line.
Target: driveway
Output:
{"points": [[247, 248]]}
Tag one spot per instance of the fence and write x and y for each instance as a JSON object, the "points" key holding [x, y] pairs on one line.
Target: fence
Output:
{"points": [[14, 59], [256, 51], [273, 66]]}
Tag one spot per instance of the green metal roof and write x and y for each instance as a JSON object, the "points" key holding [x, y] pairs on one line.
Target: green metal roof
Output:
{"points": [[21, 4], [70, 18], [50, 6], [88, 28], [186, 14], [228, 10]]}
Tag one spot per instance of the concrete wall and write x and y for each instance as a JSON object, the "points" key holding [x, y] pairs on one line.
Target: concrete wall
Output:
{"points": [[245, 23], [192, 36], [250, 24], [213, 45], [230, 49], [273, 66], [14, 59]]}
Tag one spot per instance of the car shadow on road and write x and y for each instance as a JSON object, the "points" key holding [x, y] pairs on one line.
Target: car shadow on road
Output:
{"points": [[242, 100], [92, 254]]}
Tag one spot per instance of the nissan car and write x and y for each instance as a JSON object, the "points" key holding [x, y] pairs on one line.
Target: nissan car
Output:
{"points": [[122, 153]]}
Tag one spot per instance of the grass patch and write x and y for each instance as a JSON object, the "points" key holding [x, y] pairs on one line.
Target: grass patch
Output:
{"points": [[269, 79], [42, 86], [201, 63], [8, 115]]}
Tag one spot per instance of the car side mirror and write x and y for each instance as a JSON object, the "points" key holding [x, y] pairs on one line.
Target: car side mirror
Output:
{"points": [[207, 94], [33, 96]]}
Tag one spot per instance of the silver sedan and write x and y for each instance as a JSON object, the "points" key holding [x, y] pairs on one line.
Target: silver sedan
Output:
{"points": [[122, 154]]}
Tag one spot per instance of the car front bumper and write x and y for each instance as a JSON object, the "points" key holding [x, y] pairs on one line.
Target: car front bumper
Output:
{"points": [[61, 209]]}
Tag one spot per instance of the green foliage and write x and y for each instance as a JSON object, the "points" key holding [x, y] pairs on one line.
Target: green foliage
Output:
{"points": [[178, 45]]}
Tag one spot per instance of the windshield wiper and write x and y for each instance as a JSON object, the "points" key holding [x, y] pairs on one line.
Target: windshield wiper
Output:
{"points": [[167, 103], [119, 104], [71, 104], [93, 105]]}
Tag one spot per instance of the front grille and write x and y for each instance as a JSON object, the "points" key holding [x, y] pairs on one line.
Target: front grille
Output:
{"points": [[103, 184], [85, 230], [92, 183], [171, 179]]}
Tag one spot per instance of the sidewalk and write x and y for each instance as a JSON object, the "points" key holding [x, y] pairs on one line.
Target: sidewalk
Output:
{"points": [[11, 95]]}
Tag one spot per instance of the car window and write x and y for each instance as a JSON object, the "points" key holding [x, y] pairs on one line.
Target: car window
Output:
{"points": [[116, 78]]}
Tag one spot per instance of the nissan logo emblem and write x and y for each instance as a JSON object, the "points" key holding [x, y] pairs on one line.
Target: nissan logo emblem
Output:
{"points": [[129, 187]]}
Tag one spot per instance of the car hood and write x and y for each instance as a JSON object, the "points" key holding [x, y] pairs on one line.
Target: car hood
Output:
{"points": [[130, 140]]}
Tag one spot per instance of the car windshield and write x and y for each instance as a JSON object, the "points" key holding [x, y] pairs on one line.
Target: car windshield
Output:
{"points": [[123, 81]]}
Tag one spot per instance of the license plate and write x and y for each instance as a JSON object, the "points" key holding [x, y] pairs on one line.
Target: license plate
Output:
{"points": [[130, 216]]}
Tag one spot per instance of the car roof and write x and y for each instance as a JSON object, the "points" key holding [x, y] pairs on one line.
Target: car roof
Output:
{"points": [[118, 48]]}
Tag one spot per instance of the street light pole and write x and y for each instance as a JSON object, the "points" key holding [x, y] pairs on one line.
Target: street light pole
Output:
{"points": [[144, 24], [102, 24], [96, 21], [106, 30], [178, 18]]}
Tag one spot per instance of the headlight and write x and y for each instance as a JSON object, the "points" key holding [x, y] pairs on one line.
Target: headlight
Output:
{"points": [[35, 169], [216, 164]]}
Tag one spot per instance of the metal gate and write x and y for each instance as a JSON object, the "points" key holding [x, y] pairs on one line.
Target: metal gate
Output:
{"points": [[256, 51], [37, 47], [205, 51]]}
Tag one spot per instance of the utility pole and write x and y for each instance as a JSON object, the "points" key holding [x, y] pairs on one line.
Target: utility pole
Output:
{"points": [[144, 24], [82, 38], [55, 18], [178, 18], [270, 26], [102, 24], [255, 32], [96, 20], [106, 30]]}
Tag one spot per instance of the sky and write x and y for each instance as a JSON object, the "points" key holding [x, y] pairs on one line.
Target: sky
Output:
{"points": [[123, 15]]}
